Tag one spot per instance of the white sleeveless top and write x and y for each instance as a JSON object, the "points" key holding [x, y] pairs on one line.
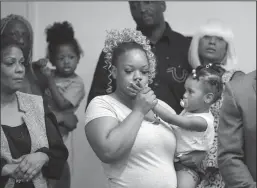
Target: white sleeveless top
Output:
{"points": [[150, 163], [188, 141]]}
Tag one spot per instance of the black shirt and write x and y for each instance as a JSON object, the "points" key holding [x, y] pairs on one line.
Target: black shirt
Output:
{"points": [[172, 68], [19, 142]]}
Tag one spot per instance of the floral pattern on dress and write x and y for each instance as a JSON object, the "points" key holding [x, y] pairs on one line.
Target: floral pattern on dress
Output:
{"points": [[209, 167]]}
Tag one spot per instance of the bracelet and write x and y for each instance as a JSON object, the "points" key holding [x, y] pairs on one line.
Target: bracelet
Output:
{"points": [[157, 119]]}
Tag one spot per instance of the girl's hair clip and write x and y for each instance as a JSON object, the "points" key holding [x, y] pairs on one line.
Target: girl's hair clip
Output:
{"points": [[194, 73], [209, 65]]}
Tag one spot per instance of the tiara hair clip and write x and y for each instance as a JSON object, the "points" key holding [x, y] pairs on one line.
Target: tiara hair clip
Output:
{"points": [[194, 73]]}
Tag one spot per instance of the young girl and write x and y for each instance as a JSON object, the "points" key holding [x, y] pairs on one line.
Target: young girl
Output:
{"points": [[194, 128], [65, 89]]}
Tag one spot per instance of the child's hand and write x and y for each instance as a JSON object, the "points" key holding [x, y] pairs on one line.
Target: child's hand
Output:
{"points": [[193, 159], [41, 62], [46, 71], [63, 130], [70, 121]]}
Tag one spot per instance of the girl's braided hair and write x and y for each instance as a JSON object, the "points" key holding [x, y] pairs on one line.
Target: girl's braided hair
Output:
{"points": [[211, 75]]}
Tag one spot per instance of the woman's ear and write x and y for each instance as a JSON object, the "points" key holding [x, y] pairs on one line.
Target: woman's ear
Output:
{"points": [[208, 98], [114, 72]]}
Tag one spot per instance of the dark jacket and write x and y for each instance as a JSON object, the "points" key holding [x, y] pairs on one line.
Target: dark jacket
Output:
{"points": [[237, 133]]}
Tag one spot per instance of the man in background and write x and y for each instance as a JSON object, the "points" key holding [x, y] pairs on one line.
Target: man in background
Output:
{"points": [[169, 47], [237, 133]]}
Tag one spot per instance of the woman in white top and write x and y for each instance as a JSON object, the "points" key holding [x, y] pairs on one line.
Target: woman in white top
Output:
{"points": [[135, 153]]}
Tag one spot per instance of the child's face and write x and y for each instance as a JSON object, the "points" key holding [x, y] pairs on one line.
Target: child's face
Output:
{"points": [[194, 95], [66, 60]]}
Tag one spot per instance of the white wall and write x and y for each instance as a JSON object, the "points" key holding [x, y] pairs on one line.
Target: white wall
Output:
{"points": [[24, 9], [91, 19], [14, 7]]}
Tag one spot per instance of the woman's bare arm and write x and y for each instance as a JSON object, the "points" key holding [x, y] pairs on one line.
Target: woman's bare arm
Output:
{"points": [[110, 139]]}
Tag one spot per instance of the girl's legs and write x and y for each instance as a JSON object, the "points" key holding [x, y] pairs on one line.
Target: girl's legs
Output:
{"points": [[187, 179]]}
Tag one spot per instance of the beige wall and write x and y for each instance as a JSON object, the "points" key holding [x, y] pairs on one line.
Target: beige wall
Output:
{"points": [[91, 19]]}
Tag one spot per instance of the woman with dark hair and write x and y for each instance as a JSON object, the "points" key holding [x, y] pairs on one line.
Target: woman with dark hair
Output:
{"points": [[135, 152], [32, 150], [17, 28]]}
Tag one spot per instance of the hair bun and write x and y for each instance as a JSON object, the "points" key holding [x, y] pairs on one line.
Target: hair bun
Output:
{"points": [[59, 32]]}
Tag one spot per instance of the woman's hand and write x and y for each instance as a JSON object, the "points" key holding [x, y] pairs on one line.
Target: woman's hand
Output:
{"points": [[135, 88], [30, 166], [193, 159], [8, 170], [145, 100]]}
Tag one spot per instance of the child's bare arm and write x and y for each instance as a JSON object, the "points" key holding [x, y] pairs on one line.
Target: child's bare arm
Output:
{"points": [[193, 123], [60, 100]]}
